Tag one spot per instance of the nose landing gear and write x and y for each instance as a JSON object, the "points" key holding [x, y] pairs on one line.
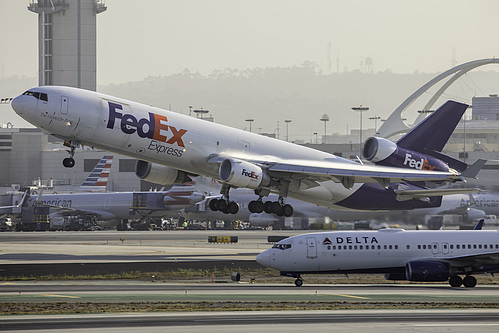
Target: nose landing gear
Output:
{"points": [[69, 162]]}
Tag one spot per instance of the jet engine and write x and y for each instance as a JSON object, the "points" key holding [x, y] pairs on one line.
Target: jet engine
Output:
{"points": [[385, 152], [425, 270], [159, 174], [243, 174], [474, 214]]}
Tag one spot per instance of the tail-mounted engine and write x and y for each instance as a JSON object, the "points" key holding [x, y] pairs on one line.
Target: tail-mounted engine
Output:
{"points": [[243, 174], [385, 152], [160, 174]]}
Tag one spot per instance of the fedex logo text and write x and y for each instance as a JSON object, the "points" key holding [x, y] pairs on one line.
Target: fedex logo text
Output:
{"points": [[420, 165], [145, 128], [251, 174]]}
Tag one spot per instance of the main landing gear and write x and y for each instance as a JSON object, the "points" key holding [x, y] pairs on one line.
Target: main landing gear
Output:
{"points": [[69, 162], [271, 207], [224, 204], [468, 282]]}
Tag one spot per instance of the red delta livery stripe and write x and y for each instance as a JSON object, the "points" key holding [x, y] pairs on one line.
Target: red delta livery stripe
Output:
{"points": [[145, 128]]}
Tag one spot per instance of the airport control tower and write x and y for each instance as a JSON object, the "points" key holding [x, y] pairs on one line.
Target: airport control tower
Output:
{"points": [[67, 41]]}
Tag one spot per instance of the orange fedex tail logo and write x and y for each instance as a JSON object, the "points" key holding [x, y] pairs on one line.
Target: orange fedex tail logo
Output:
{"points": [[152, 128]]}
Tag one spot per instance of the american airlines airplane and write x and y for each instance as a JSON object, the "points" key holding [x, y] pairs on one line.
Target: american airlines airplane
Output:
{"points": [[423, 256], [171, 147], [93, 204]]}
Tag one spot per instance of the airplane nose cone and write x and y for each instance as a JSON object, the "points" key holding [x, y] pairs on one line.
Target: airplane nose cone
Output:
{"points": [[17, 104], [263, 258]]}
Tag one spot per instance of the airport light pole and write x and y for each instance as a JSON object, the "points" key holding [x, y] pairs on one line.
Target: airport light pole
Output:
{"points": [[360, 109], [250, 120], [287, 121], [199, 113], [316, 141], [325, 119], [375, 118]]}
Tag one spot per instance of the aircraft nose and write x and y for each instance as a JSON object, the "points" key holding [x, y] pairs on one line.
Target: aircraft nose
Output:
{"points": [[264, 258], [17, 104]]}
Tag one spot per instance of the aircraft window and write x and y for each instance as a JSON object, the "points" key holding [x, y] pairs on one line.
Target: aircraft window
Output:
{"points": [[408, 247], [396, 247], [451, 246], [384, 246], [334, 247], [424, 247], [419, 247], [37, 95], [474, 246], [479, 246], [435, 246], [379, 247], [355, 247], [282, 246], [390, 247], [469, 246], [350, 246], [484, 246], [329, 247]]}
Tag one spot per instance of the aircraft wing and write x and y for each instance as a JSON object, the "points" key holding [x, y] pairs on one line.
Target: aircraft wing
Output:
{"points": [[434, 192], [348, 174], [474, 259]]}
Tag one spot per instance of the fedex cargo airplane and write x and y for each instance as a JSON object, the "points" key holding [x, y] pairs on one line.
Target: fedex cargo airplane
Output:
{"points": [[171, 147], [423, 256]]}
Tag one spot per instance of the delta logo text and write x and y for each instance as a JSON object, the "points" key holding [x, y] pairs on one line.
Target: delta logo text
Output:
{"points": [[417, 164], [249, 174], [153, 128]]}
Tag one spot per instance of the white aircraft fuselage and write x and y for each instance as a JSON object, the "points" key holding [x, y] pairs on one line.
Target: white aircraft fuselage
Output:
{"points": [[402, 255]]}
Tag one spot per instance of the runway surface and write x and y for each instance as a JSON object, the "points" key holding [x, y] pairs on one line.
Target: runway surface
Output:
{"points": [[284, 321]]}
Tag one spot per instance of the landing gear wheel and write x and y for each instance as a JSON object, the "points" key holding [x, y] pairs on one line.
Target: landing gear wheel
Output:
{"points": [[455, 281], [469, 281], [213, 205], [258, 206], [287, 210], [298, 282], [222, 205], [276, 207], [251, 206], [68, 162], [233, 207], [267, 207]]}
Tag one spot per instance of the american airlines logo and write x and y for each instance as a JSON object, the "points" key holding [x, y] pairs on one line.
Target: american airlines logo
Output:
{"points": [[153, 128], [251, 174], [417, 164]]}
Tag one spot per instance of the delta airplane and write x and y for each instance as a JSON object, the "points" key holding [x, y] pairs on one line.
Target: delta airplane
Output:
{"points": [[171, 147], [423, 256]]}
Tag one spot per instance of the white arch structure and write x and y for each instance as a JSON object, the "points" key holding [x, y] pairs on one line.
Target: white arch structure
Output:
{"points": [[395, 125]]}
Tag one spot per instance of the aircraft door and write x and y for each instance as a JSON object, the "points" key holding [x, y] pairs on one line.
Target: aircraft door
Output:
{"points": [[64, 104], [311, 248], [434, 248]]}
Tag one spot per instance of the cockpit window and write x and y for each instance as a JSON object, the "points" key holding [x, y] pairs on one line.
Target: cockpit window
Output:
{"points": [[37, 95], [282, 246]]}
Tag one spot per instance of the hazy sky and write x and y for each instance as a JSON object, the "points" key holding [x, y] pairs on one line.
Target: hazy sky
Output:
{"points": [[144, 38]]}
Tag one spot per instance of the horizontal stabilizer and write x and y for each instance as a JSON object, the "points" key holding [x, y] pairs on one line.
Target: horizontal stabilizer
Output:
{"points": [[435, 192], [473, 170]]}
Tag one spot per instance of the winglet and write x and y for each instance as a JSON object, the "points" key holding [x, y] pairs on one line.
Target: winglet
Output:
{"points": [[473, 170], [479, 224]]}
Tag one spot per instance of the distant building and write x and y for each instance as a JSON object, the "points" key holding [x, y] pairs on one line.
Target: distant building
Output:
{"points": [[486, 108], [67, 41]]}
